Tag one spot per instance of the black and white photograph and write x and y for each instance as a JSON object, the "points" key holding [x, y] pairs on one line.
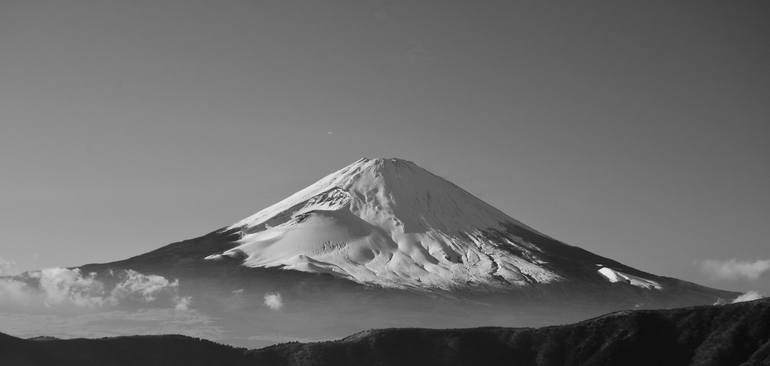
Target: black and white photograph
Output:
{"points": [[384, 182]]}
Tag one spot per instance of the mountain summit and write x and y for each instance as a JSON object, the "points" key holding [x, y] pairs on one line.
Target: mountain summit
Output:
{"points": [[390, 223]]}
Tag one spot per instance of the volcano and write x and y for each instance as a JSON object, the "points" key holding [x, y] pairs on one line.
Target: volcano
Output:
{"points": [[390, 224]]}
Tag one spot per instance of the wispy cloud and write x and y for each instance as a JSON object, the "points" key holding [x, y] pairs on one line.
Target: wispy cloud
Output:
{"points": [[734, 269], [13, 292], [183, 303], [749, 296], [273, 300]]}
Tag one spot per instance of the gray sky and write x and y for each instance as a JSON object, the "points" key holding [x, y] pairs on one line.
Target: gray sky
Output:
{"points": [[637, 130]]}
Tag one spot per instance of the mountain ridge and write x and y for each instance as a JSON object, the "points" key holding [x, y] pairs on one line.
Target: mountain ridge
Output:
{"points": [[733, 334]]}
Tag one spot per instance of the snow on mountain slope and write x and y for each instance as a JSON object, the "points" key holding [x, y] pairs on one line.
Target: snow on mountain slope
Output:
{"points": [[390, 223], [615, 276]]}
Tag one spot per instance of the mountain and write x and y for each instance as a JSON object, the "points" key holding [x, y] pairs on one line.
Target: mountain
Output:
{"points": [[381, 243], [388, 223], [735, 334]]}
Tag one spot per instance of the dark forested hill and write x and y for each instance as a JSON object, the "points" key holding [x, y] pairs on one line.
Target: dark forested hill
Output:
{"points": [[736, 334]]}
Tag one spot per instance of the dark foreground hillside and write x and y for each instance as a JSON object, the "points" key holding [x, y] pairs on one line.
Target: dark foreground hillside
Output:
{"points": [[737, 334]]}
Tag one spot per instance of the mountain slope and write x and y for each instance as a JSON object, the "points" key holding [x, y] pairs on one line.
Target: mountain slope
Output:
{"points": [[736, 334]]}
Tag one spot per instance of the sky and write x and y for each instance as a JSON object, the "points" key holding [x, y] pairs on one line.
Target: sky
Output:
{"points": [[636, 130]]}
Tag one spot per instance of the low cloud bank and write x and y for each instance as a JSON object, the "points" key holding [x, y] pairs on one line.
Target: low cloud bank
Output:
{"points": [[54, 287], [273, 300], [734, 269], [749, 296]]}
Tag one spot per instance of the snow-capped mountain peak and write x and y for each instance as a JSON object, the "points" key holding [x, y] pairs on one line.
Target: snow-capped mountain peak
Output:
{"points": [[393, 193], [391, 223]]}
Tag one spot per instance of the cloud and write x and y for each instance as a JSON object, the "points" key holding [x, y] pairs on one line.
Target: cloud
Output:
{"points": [[273, 300], [749, 296], [182, 303], [143, 288], [734, 269], [13, 291], [62, 285], [53, 287]]}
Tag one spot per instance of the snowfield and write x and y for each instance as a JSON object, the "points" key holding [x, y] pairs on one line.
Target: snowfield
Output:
{"points": [[617, 276], [390, 223]]}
